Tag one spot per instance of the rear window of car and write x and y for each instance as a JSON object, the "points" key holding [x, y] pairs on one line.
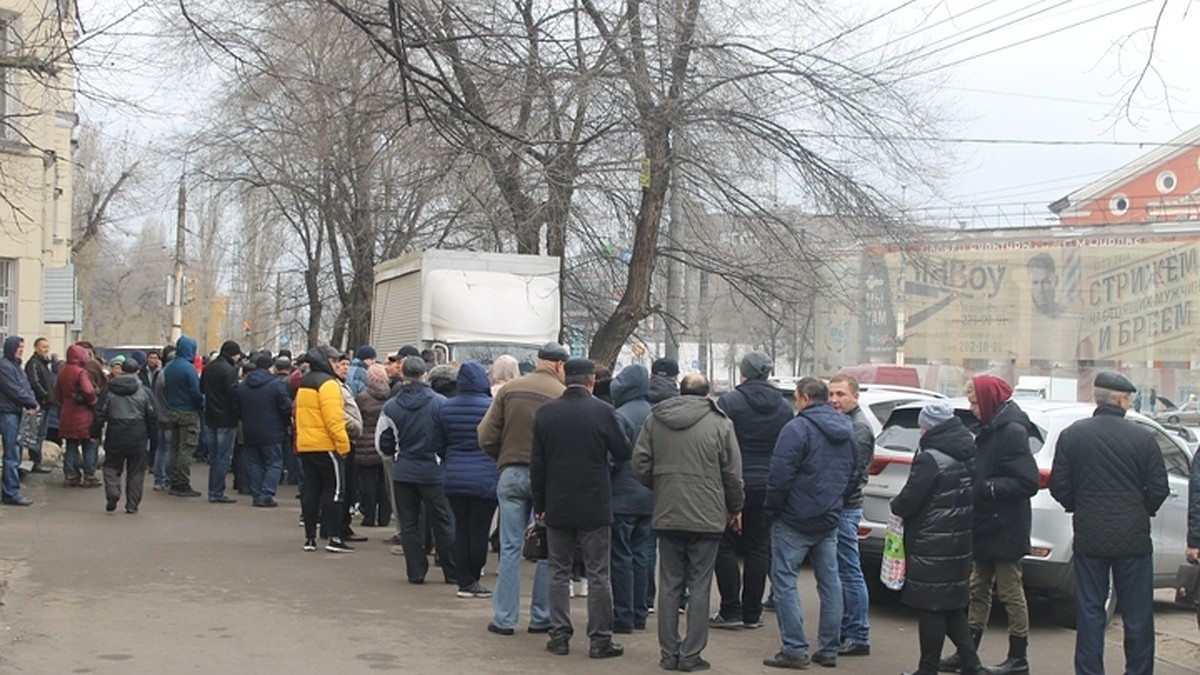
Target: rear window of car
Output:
{"points": [[902, 434]]}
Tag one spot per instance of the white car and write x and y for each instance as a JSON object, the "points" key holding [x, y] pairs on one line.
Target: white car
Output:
{"points": [[877, 400], [1048, 570]]}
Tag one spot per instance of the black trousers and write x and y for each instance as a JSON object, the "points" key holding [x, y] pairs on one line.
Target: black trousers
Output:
{"points": [[323, 494], [352, 494], [934, 627], [472, 520], [373, 496], [742, 590], [410, 498]]}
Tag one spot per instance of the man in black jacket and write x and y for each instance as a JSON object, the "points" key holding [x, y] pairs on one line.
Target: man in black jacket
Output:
{"points": [[37, 369], [1109, 472], [125, 416], [576, 439], [1193, 533], [856, 628], [218, 383], [758, 412]]}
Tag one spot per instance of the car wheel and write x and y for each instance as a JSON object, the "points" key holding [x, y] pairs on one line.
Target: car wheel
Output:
{"points": [[1064, 608], [1173, 419]]}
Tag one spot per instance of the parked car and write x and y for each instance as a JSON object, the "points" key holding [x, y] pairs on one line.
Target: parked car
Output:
{"points": [[1170, 413], [1188, 434], [1047, 569]]}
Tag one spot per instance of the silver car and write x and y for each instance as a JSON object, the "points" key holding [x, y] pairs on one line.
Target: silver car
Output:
{"points": [[1048, 570]]}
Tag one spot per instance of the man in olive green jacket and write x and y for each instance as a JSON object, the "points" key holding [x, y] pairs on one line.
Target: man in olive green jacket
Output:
{"points": [[688, 455]]}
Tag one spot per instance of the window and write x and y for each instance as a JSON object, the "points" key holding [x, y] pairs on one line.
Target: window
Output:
{"points": [[1174, 458], [7, 298]]}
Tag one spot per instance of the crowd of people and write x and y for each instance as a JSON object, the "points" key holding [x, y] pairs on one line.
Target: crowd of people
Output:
{"points": [[629, 475]]}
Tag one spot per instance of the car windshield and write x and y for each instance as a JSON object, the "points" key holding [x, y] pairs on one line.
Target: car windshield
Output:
{"points": [[487, 353]]}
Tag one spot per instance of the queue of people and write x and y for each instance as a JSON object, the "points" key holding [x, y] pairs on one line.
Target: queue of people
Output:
{"points": [[660, 476]]}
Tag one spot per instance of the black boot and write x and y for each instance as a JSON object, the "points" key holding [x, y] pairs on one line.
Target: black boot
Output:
{"points": [[953, 663], [1016, 663]]}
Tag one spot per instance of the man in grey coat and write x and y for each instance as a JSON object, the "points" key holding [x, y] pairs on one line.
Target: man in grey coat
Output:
{"points": [[688, 455]]}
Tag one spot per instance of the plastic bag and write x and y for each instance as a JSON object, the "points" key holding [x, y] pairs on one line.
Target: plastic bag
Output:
{"points": [[894, 566], [29, 434]]}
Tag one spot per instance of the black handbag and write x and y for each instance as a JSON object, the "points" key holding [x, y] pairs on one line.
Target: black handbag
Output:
{"points": [[1187, 579], [536, 547]]}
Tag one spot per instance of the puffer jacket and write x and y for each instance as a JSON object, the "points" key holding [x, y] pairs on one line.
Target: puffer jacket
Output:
{"points": [[15, 393], [219, 382], [629, 390], [1109, 472], [370, 405], [469, 471], [180, 381], [125, 416], [406, 429], [758, 412], [811, 468], [320, 416], [935, 504], [75, 418], [264, 408], [1006, 476], [688, 455]]}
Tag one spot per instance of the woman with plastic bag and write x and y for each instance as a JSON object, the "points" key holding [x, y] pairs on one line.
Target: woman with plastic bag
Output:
{"points": [[936, 507]]}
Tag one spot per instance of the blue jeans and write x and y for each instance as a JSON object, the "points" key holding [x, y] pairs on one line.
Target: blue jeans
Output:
{"points": [[789, 547], [71, 458], [10, 426], [855, 598], [162, 459], [220, 451], [630, 569], [1134, 580], [516, 503], [263, 465]]}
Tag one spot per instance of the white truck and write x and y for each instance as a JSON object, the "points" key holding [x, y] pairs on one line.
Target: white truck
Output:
{"points": [[1046, 388], [467, 305]]}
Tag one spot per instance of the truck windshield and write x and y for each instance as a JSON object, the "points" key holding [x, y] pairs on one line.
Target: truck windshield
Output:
{"points": [[487, 353]]}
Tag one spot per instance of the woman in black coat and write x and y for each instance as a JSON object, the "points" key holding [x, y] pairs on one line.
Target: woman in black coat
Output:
{"points": [[936, 507]]}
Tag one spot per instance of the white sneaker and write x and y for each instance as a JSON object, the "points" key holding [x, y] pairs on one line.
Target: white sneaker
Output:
{"points": [[583, 588], [570, 589]]}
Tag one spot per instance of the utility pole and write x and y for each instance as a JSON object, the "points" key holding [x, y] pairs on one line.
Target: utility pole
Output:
{"points": [[177, 308]]}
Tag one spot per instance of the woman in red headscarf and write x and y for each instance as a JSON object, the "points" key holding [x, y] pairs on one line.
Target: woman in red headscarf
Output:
{"points": [[1005, 477]]}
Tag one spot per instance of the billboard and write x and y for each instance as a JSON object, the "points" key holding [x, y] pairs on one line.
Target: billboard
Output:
{"points": [[1042, 300]]}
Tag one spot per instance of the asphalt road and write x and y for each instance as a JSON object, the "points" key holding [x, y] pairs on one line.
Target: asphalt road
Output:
{"points": [[188, 586]]}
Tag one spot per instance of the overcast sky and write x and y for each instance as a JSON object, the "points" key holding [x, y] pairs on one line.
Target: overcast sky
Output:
{"points": [[1063, 85]]}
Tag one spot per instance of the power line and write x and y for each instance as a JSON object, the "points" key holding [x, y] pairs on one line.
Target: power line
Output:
{"points": [[991, 141]]}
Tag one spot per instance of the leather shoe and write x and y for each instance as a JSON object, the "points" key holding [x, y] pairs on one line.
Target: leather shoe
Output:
{"points": [[826, 660], [493, 628], [19, 501], [222, 500], [39, 469], [558, 647], [539, 629], [606, 651]]}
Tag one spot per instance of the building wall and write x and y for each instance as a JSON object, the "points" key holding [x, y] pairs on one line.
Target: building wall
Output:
{"points": [[36, 161]]}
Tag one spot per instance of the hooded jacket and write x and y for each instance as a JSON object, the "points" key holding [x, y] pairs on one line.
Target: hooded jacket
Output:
{"points": [[15, 392], [356, 378], [576, 442], [1193, 531], [1006, 476], [662, 388], [811, 468], [264, 408], [37, 371], [370, 405], [758, 412], [320, 414], [406, 431], [75, 417], [935, 504], [126, 417], [469, 471], [630, 390], [506, 432], [1109, 472], [688, 455], [180, 381], [218, 383]]}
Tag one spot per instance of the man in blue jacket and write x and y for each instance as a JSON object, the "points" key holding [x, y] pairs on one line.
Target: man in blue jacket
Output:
{"points": [[811, 468], [184, 403], [406, 432], [633, 542], [265, 410], [16, 397]]}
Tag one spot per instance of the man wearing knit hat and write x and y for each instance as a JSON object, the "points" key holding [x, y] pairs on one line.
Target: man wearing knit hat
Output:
{"points": [[265, 410], [356, 378], [218, 383]]}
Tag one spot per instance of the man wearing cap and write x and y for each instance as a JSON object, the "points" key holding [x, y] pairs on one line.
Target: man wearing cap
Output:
{"points": [[687, 454], [576, 440], [218, 382], [322, 443], [406, 432], [663, 375], [506, 435], [125, 416], [356, 378], [1109, 472], [758, 413]]}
